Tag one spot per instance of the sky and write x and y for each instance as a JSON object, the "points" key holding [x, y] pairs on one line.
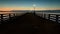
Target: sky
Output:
{"points": [[28, 4]]}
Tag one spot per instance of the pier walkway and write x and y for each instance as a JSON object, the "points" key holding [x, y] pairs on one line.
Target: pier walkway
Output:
{"points": [[30, 24]]}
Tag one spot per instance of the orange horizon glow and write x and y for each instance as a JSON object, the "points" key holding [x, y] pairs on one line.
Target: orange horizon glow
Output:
{"points": [[8, 9]]}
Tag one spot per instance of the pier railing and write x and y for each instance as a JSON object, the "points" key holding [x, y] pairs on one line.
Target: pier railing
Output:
{"points": [[50, 16], [4, 16]]}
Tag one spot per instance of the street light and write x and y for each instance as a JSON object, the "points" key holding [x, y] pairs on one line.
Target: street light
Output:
{"points": [[34, 6]]}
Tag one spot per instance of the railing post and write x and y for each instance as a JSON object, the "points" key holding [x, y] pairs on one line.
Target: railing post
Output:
{"points": [[49, 16], [34, 13], [14, 15], [1, 18], [57, 18], [9, 16]]}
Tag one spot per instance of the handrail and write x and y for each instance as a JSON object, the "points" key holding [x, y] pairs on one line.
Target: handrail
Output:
{"points": [[46, 15]]}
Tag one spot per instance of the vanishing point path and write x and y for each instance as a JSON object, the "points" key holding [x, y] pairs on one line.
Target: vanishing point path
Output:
{"points": [[30, 24]]}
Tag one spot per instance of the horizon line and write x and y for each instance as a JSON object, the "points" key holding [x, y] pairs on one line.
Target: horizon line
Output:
{"points": [[22, 10]]}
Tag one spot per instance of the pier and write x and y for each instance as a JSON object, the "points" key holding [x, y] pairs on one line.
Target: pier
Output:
{"points": [[30, 23], [50, 16]]}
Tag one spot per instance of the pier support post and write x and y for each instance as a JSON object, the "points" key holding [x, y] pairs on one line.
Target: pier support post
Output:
{"points": [[49, 16], [14, 15], [9, 16], [57, 18], [34, 13], [1, 18]]}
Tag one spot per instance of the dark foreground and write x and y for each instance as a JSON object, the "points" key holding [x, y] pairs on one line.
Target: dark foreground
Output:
{"points": [[30, 24]]}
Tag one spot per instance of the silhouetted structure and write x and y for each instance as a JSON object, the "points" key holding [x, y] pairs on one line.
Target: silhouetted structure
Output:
{"points": [[29, 24], [2, 20]]}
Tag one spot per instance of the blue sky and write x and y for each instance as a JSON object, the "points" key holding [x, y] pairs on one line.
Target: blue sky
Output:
{"points": [[29, 3]]}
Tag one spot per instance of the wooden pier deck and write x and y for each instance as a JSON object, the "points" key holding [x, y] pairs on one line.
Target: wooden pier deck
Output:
{"points": [[30, 24]]}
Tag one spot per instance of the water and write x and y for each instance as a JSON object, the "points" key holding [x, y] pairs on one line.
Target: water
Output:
{"points": [[51, 11]]}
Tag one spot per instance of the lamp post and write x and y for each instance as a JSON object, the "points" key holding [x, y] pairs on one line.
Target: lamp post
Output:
{"points": [[34, 6]]}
